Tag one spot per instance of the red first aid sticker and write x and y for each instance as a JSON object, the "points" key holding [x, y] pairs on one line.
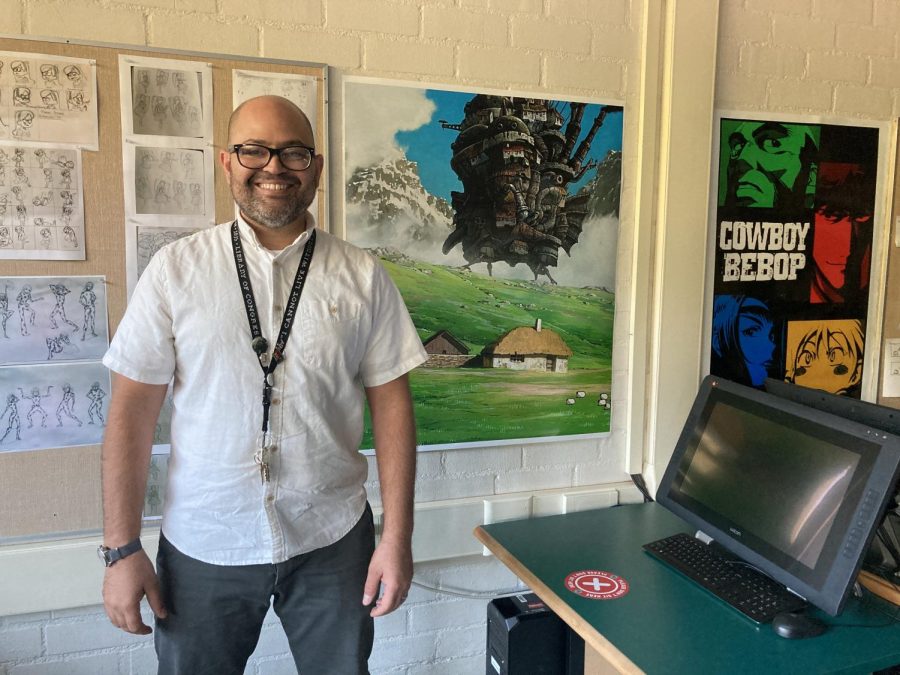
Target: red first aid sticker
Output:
{"points": [[597, 584]]}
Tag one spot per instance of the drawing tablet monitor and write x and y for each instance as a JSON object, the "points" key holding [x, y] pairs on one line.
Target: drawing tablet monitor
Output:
{"points": [[795, 491]]}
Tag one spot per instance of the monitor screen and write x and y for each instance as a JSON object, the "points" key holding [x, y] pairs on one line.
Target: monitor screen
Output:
{"points": [[790, 489]]}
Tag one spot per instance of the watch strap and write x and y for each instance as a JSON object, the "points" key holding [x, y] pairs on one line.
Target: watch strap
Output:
{"points": [[113, 555]]}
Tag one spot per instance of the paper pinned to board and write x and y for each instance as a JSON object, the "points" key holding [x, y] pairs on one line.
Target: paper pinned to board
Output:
{"points": [[890, 381]]}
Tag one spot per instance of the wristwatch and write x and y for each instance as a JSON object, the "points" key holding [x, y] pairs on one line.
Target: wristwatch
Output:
{"points": [[110, 556]]}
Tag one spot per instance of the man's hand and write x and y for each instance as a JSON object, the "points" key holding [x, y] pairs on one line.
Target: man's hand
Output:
{"points": [[125, 583], [391, 568]]}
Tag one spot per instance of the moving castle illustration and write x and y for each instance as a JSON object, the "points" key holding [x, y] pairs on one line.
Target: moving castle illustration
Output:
{"points": [[516, 164]]}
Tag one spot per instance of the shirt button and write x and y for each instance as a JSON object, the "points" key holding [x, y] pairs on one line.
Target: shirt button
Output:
{"points": [[278, 309], [270, 498], [276, 401]]}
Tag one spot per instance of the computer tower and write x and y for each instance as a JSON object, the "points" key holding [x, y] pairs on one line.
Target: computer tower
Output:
{"points": [[524, 637]]}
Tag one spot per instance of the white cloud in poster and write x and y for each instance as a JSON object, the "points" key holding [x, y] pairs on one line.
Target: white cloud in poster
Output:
{"points": [[374, 115]]}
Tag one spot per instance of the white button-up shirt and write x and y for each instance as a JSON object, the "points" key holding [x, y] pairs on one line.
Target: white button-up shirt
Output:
{"points": [[187, 320]]}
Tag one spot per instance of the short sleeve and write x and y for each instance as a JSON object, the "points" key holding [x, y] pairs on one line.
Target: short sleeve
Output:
{"points": [[393, 347], [143, 347]]}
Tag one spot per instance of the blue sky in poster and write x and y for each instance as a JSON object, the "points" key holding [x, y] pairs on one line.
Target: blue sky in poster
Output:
{"points": [[429, 144]]}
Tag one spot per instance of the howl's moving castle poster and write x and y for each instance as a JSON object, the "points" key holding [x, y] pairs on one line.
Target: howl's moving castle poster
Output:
{"points": [[497, 218], [793, 251]]}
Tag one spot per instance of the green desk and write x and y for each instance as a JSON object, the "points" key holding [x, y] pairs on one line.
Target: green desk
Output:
{"points": [[666, 623]]}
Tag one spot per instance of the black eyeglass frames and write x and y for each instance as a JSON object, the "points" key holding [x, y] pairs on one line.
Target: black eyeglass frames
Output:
{"points": [[255, 156]]}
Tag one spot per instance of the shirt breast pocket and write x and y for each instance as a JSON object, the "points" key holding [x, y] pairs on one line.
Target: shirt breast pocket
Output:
{"points": [[331, 331]]}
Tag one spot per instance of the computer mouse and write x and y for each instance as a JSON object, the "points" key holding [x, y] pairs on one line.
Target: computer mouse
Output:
{"points": [[796, 625]]}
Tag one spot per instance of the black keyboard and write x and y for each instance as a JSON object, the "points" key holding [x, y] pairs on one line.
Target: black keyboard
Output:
{"points": [[745, 588]]}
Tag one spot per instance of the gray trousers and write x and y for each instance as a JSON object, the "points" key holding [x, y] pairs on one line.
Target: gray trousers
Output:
{"points": [[215, 612]]}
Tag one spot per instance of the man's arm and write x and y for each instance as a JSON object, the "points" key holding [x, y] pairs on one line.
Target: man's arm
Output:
{"points": [[133, 411], [394, 429]]}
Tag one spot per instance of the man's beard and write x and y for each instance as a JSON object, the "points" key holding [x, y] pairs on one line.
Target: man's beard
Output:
{"points": [[272, 215]]}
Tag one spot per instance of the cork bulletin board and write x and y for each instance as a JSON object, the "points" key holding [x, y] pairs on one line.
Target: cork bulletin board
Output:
{"points": [[56, 491]]}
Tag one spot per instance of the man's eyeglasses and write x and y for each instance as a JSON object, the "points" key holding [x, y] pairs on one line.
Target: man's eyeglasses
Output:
{"points": [[253, 156]]}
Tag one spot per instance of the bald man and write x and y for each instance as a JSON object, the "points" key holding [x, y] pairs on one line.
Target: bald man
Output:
{"points": [[276, 334]]}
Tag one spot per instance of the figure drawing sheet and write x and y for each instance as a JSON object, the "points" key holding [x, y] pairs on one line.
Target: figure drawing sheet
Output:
{"points": [[151, 239], [301, 89], [41, 204], [497, 218], [796, 209], [169, 181], [155, 495], [167, 154], [52, 319], [167, 100], [53, 406], [48, 99]]}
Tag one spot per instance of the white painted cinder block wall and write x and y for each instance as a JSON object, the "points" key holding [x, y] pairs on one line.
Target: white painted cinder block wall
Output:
{"points": [[830, 57]]}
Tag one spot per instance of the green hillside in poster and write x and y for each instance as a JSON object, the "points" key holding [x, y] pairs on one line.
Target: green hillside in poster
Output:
{"points": [[474, 403]]}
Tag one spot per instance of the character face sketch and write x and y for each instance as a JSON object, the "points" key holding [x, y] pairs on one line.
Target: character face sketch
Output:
{"points": [[50, 99], [827, 355], [20, 71], [769, 164], [743, 339], [75, 100], [22, 96], [73, 73], [49, 73], [24, 121]]}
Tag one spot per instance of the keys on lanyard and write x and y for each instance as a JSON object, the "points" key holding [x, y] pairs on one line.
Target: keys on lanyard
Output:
{"points": [[262, 458], [265, 439]]}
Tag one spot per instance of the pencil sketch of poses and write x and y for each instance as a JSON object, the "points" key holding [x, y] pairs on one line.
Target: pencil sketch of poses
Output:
{"points": [[41, 206], [48, 98], [53, 406], [163, 97], [301, 89], [169, 181], [151, 239], [155, 496], [52, 319]]}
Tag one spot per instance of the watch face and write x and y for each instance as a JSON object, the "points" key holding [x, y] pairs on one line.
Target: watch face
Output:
{"points": [[103, 554]]}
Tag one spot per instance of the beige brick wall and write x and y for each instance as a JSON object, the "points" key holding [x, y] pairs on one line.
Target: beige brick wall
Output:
{"points": [[837, 57], [12, 18], [465, 24], [86, 20]]}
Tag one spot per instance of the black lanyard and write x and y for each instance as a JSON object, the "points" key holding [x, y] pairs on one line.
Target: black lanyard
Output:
{"points": [[259, 344]]}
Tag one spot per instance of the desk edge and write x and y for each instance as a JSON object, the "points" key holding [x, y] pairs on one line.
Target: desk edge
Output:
{"points": [[590, 634]]}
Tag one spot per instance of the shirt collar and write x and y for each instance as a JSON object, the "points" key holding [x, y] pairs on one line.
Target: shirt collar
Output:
{"points": [[249, 234]]}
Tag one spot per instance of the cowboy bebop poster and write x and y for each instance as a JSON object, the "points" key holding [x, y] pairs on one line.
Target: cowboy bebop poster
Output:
{"points": [[497, 217], [795, 213]]}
